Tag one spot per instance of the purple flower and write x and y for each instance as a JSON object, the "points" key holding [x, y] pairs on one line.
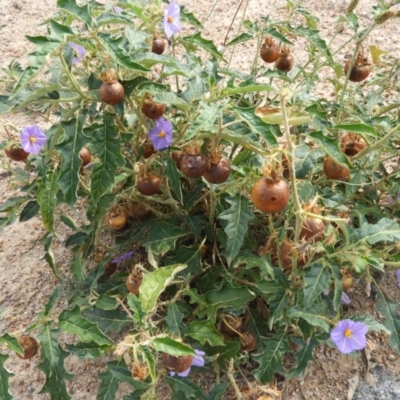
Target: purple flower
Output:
{"points": [[398, 277], [171, 20], [123, 257], [197, 361], [80, 52], [349, 335], [161, 134], [344, 299], [117, 10], [32, 139]]}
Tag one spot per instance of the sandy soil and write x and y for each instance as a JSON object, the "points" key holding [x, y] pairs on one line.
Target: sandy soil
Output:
{"points": [[26, 280]]}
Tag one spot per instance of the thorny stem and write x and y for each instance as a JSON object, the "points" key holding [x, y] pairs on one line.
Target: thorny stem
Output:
{"points": [[71, 77], [353, 58], [297, 206], [233, 382], [377, 144], [121, 303]]}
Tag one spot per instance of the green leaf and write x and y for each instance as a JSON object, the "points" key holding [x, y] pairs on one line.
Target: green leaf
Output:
{"points": [[385, 230], [305, 160], [205, 331], [190, 18], [357, 128], [243, 37], [173, 347], [256, 124], [270, 359], [55, 375], [46, 197], [105, 143], [277, 35], [195, 89], [237, 216], [174, 320], [389, 309], [174, 178], [106, 302], [71, 321], [125, 375], [87, 350], [70, 161], [254, 87], [119, 54], [224, 353], [217, 391], [109, 18], [108, 321], [303, 357], [12, 343], [4, 376], [81, 13], [205, 120], [135, 305], [172, 99], [207, 45], [372, 324], [162, 237], [316, 281], [184, 385], [227, 296], [29, 211], [12, 202], [172, 65], [330, 146], [313, 319], [154, 284], [108, 386], [76, 239], [313, 36]]}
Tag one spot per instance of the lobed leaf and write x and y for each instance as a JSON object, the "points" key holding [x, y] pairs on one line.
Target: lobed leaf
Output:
{"points": [[237, 216], [4, 376]]}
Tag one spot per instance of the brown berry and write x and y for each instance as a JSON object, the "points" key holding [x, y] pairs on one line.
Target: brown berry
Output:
{"points": [[29, 345]]}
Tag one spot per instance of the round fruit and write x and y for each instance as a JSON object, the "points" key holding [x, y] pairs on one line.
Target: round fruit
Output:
{"points": [[153, 110], [231, 325], [270, 196], [353, 144], [248, 341], [177, 364], [347, 282], [193, 166], [111, 92], [29, 345], [312, 229], [158, 46], [138, 211], [285, 60], [134, 281], [149, 184], [116, 220], [85, 156], [269, 51], [109, 269], [218, 173], [16, 153], [360, 70], [148, 150], [333, 170]]}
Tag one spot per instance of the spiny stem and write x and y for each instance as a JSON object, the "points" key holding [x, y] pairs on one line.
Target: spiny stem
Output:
{"points": [[377, 144]]}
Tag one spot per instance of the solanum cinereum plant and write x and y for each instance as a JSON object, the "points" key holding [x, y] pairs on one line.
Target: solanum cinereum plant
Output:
{"points": [[215, 225]]}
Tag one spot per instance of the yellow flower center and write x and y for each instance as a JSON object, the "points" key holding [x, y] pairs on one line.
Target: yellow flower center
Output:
{"points": [[170, 19], [161, 134], [32, 139], [347, 333]]}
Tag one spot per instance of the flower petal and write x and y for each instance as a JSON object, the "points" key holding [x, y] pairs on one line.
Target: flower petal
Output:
{"points": [[184, 373]]}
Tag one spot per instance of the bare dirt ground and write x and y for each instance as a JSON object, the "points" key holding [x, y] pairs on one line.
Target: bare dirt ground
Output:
{"points": [[26, 281]]}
